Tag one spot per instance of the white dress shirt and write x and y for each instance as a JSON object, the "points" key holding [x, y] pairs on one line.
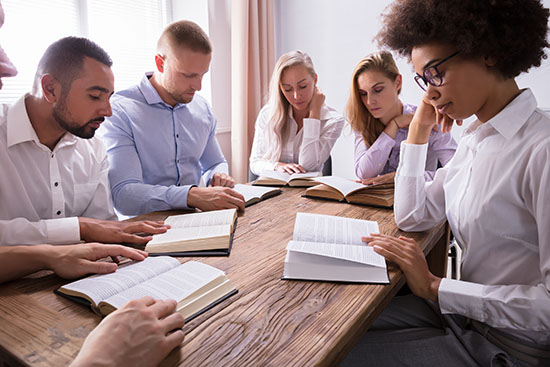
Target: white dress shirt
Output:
{"points": [[42, 192], [310, 147], [495, 193]]}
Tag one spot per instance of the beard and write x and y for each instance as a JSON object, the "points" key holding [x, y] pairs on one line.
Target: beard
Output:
{"points": [[65, 120], [178, 96]]}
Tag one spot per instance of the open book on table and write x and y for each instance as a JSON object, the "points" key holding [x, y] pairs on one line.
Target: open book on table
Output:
{"points": [[329, 248], [196, 287], [341, 189], [254, 194], [196, 234], [276, 178]]}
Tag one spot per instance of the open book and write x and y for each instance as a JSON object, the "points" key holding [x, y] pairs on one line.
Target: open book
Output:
{"points": [[276, 178], [196, 234], [254, 194], [337, 188], [196, 287], [329, 248]]}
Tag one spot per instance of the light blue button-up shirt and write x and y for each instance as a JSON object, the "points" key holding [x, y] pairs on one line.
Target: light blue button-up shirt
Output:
{"points": [[158, 152]]}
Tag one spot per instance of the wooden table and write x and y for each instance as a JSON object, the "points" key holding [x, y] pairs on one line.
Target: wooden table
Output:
{"points": [[270, 322]]}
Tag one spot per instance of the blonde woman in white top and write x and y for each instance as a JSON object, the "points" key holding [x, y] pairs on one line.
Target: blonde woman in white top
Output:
{"points": [[296, 130]]}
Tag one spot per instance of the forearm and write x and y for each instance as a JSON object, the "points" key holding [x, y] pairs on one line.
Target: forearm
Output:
{"points": [[370, 162], [18, 261], [317, 142], [139, 198]]}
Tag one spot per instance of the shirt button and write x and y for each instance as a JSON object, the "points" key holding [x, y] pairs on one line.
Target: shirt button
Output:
{"points": [[177, 135], [59, 212], [178, 161], [56, 184], [52, 155]]}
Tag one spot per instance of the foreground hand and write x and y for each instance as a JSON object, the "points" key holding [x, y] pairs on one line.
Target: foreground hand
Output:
{"points": [[74, 261], [427, 117], [141, 333], [388, 177], [214, 198], [407, 255], [221, 179], [108, 231], [317, 101], [289, 168]]}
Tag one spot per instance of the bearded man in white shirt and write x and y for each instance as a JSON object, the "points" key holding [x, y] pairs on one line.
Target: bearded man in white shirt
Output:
{"points": [[54, 186]]}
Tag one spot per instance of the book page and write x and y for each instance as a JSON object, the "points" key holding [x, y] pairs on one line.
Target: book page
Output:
{"points": [[276, 175], [250, 192], [176, 234], [176, 284], [343, 185], [100, 287], [331, 229], [357, 253], [304, 175], [212, 218]]}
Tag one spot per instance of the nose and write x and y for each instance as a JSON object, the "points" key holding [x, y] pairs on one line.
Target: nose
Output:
{"points": [[106, 110], [7, 69], [197, 84], [371, 100], [296, 94], [432, 93]]}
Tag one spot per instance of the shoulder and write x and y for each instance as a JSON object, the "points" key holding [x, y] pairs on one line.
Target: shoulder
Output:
{"points": [[92, 148], [127, 96], [408, 109], [264, 116]]}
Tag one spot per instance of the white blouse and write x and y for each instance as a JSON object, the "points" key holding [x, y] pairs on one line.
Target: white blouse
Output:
{"points": [[310, 147], [495, 194]]}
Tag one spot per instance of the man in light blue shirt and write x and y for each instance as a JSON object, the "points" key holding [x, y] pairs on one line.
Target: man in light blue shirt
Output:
{"points": [[161, 137]]}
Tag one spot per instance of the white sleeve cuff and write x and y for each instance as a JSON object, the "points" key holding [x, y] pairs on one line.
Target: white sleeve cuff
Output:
{"points": [[462, 298], [63, 230], [312, 128], [412, 160]]}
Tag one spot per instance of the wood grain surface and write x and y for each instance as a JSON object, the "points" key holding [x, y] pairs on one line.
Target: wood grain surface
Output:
{"points": [[270, 322]]}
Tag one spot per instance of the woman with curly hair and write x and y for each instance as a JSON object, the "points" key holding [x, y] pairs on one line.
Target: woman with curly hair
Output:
{"points": [[494, 192], [296, 130], [380, 122]]}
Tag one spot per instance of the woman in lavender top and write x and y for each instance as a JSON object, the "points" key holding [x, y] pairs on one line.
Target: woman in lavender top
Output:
{"points": [[380, 122]]}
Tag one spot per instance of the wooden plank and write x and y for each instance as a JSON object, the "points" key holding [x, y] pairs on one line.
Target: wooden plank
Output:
{"points": [[269, 322]]}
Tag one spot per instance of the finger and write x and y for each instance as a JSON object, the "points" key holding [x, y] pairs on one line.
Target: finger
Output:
{"points": [[163, 308], [173, 321], [101, 251], [302, 170], [154, 223], [174, 339], [135, 239], [141, 227], [144, 301], [115, 259], [97, 267]]}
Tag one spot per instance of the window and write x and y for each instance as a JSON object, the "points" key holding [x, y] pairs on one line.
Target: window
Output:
{"points": [[127, 29]]}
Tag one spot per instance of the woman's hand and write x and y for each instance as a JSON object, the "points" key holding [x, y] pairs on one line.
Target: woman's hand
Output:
{"points": [[409, 257], [427, 118], [317, 101], [388, 177], [289, 168]]}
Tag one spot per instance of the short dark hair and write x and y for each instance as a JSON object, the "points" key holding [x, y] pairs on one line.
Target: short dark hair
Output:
{"points": [[512, 32], [64, 60], [185, 33]]}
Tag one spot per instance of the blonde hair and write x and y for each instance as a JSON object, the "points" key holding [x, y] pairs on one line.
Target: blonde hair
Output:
{"points": [[277, 127], [357, 114]]}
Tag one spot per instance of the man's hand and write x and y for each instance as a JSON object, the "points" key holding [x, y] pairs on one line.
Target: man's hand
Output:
{"points": [[388, 177], [74, 261], [407, 255], [289, 168], [214, 198], [221, 179], [94, 230], [141, 333]]}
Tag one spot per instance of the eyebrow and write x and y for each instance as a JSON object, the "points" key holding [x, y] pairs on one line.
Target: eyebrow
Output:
{"points": [[303, 80], [101, 89], [429, 63]]}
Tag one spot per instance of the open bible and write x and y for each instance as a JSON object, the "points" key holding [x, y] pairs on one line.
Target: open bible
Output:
{"points": [[329, 248], [341, 189], [196, 234], [276, 178], [254, 194], [195, 286]]}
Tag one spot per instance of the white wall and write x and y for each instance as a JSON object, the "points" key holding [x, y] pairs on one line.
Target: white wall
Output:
{"points": [[337, 34]]}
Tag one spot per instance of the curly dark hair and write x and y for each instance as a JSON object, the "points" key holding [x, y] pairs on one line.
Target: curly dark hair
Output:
{"points": [[512, 32]]}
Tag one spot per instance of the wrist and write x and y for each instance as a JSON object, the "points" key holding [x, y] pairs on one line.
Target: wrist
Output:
{"points": [[418, 133], [434, 288]]}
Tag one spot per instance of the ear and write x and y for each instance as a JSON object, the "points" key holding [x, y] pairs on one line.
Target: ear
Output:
{"points": [[51, 88], [489, 61], [315, 80], [159, 62], [398, 82]]}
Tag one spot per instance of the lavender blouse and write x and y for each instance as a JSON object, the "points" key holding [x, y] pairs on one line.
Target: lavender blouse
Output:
{"points": [[383, 155]]}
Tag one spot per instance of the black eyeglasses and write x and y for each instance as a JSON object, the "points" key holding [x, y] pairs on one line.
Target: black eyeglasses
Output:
{"points": [[431, 75]]}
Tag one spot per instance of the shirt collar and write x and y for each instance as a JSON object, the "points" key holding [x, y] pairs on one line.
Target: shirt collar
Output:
{"points": [[20, 129], [508, 121], [150, 93]]}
